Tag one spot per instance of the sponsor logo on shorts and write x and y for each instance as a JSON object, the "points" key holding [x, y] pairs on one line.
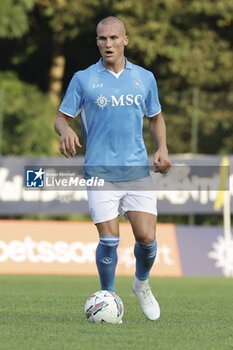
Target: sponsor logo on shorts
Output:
{"points": [[92, 211]]}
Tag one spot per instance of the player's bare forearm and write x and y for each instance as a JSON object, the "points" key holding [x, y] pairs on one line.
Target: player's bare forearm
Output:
{"points": [[158, 132], [68, 138], [61, 123]]}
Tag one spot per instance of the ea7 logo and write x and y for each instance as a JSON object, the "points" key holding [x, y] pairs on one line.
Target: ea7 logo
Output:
{"points": [[100, 85], [126, 100]]}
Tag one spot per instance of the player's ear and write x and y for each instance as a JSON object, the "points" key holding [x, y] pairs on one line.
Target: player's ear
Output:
{"points": [[97, 43], [126, 40]]}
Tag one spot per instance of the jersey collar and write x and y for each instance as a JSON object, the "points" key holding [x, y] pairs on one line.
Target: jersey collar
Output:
{"points": [[101, 68]]}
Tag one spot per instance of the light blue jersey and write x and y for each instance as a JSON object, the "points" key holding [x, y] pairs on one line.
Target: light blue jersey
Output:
{"points": [[112, 111]]}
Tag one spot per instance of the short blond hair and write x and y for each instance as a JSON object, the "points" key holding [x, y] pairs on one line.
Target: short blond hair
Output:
{"points": [[110, 19]]}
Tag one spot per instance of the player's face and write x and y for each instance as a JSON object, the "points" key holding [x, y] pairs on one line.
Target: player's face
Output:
{"points": [[111, 40]]}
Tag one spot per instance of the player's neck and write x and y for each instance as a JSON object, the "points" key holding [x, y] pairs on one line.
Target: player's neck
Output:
{"points": [[115, 67]]}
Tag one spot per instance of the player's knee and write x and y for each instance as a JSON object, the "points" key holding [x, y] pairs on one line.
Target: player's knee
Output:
{"points": [[147, 236], [108, 228]]}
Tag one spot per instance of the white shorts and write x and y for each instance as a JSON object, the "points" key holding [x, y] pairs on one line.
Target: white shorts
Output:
{"points": [[108, 204]]}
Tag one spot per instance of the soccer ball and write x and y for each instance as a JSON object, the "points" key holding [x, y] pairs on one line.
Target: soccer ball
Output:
{"points": [[104, 307]]}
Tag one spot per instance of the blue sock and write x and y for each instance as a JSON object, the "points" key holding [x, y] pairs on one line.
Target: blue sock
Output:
{"points": [[106, 260], [145, 254]]}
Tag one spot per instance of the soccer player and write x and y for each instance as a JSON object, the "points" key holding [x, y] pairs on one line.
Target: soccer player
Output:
{"points": [[112, 97]]}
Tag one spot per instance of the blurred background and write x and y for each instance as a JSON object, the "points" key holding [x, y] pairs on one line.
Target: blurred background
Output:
{"points": [[187, 44]]}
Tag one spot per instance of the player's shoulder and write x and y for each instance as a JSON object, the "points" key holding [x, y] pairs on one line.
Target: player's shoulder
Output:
{"points": [[84, 73], [142, 70], [144, 73]]}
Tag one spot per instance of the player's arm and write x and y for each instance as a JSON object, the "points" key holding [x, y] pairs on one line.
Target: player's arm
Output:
{"points": [[68, 138], [158, 132]]}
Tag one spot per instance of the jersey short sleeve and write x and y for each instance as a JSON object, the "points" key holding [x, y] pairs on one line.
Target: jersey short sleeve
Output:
{"points": [[72, 102], [153, 106]]}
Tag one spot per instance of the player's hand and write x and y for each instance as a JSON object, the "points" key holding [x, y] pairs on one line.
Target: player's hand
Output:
{"points": [[161, 161], [68, 142]]}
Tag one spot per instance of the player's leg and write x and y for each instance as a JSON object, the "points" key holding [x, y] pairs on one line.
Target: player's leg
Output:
{"points": [[143, 225], [106, 253], [141, 210], [103, 207], [144, 229]]}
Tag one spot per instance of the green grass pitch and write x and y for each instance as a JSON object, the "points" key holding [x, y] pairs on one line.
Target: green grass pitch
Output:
{"points": [[46, 313]]}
